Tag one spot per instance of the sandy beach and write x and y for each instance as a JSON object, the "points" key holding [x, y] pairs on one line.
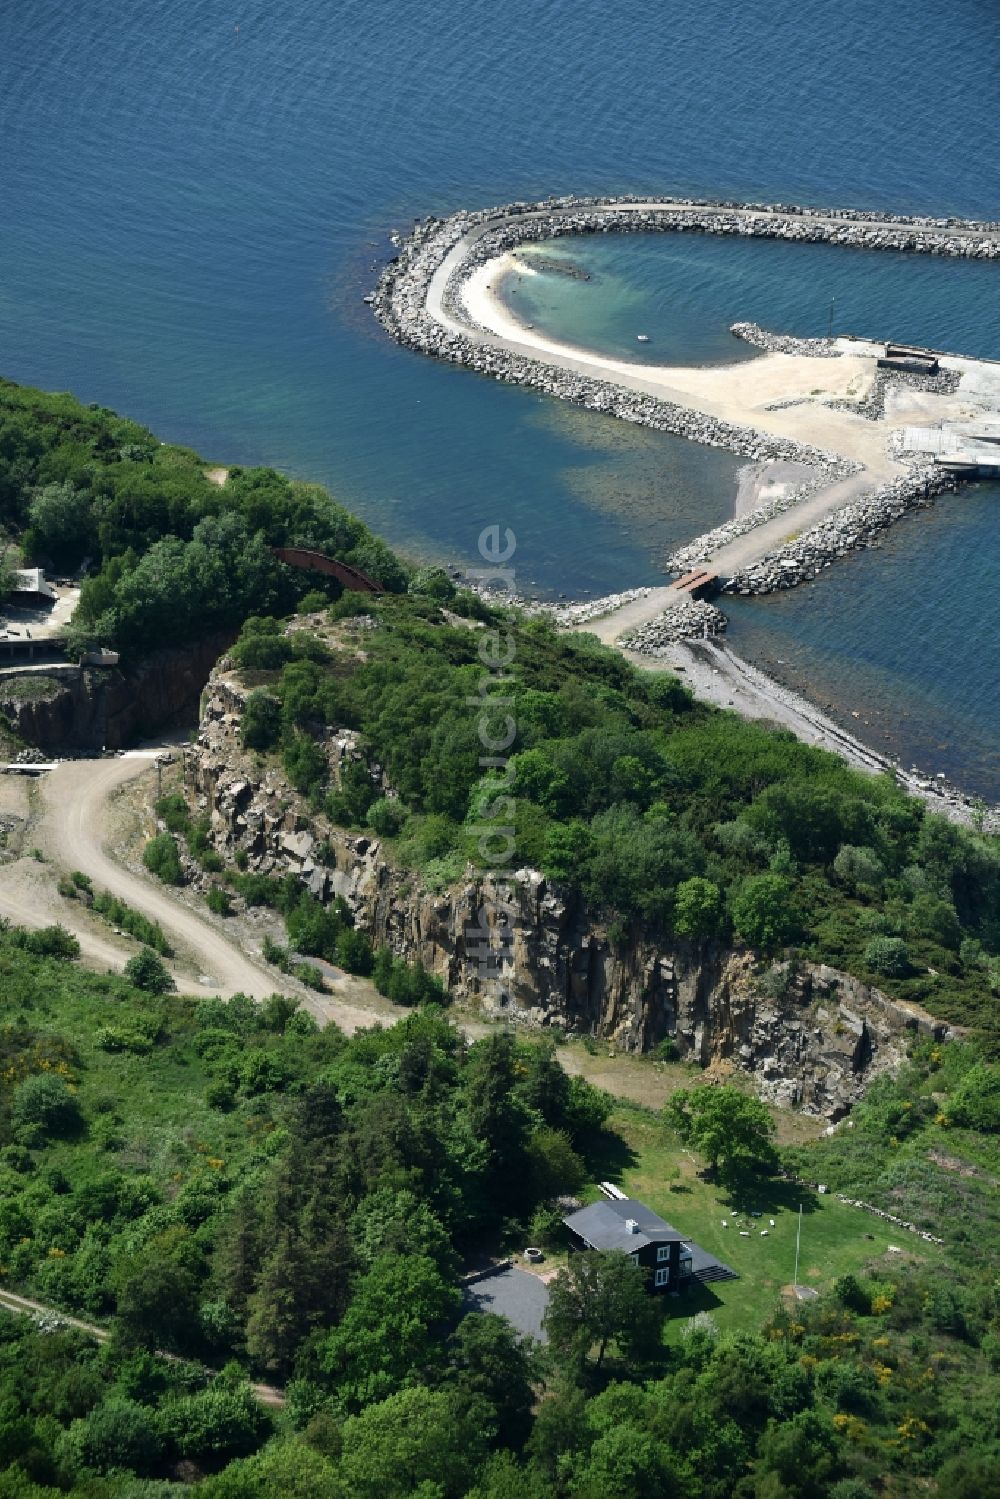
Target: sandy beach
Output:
{"points": [[740, 393]]}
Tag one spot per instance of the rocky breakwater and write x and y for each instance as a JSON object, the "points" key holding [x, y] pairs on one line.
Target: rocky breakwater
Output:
{"points": [[705, 546], [783, 343], [809, 1037], [689, 619], [400, 303], [858, 525]]}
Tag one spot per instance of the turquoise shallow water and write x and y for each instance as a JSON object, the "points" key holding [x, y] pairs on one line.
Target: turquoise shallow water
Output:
{"points": [[684, 291], [189, 216]]}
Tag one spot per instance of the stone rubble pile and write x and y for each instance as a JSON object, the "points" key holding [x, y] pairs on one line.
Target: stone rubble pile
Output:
{"points": [[780, 343], [858, 525], [705, 546], [579, 613], [691, 619], [872, 406]]}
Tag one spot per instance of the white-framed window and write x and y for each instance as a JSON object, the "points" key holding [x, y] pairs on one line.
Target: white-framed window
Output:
{"points": [[634, 1257], [662, 1276], [663, 1253]]}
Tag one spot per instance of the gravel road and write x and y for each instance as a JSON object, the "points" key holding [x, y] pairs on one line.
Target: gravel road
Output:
{"points": [[70, 826]]}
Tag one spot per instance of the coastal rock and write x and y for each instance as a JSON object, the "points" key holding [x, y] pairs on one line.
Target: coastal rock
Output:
{"points": [[524, 948]]}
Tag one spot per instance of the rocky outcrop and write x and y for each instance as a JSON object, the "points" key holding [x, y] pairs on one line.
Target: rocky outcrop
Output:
{"points": [[529, 950], [103, 708]]}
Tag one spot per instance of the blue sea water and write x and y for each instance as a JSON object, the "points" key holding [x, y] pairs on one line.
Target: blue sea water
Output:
{"points": [[194, 193]]}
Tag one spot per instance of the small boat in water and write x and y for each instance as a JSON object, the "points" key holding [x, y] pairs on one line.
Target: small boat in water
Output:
{"points": [[642, 338]]}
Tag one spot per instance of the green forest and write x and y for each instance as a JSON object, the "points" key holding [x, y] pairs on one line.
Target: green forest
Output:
{"points": [[263, 1225], [171, 556], [664, 815], [235, 1195]]}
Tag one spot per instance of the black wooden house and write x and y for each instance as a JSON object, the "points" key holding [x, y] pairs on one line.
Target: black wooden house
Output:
{"points": [[630, 1226]]}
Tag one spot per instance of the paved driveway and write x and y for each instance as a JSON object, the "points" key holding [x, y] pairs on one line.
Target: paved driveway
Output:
{"points": [[514, 1294]]}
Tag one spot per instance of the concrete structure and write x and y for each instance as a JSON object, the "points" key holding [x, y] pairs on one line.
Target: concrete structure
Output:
{"points": [[32, 580]]}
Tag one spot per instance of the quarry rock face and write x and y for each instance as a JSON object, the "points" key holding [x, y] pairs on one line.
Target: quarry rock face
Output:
{"points": [[109, 708], [526, 949]]}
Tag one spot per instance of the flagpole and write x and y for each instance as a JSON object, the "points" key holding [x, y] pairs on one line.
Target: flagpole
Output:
{"points": [[798, 1239]]}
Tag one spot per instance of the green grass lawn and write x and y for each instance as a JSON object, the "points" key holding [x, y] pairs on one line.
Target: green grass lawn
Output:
{"points": [[650, 1163]]}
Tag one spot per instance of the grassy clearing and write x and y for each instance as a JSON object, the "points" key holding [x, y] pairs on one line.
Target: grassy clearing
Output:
{"points": [[648, 1161], [150, 1112], [28, 689], [646, 1081]]}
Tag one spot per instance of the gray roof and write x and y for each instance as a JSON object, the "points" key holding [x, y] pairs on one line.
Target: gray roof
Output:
{"points": [[602, 1225]]}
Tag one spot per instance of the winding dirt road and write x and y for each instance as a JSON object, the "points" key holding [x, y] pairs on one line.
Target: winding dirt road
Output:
{"points": [[70, 827], [72, 833]]}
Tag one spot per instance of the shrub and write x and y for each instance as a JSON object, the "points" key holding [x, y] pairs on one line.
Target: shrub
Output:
{"points": [[851, 1293], [49, 942], [858, 867], [218, 901], [148, 971], [308, 974], [149, 933], [260, 727], [935, 919], [116, 1038], [306, 766], [386, 817], [546, 1227], [162, 858], [697, 908], [262, 652], [46, 1105], [763, 912], [173, 812], [312, 601], [431, 583], [220, 1094], [888, 956], [118, 1434], [975, 1103], [354, 950]]}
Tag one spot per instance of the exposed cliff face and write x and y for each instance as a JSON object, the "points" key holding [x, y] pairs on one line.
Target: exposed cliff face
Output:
{"points": [[810, 1037], [107, 709]]}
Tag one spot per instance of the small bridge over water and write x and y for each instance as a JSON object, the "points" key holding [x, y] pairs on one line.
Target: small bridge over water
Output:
{"points": [[700, 583]]}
